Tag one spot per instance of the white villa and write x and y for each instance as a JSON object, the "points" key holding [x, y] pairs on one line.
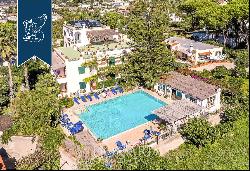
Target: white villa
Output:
{"points": [[86, 41], [180, 87], [192, 51]]}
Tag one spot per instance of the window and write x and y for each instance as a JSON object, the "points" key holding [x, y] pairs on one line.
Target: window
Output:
{"points": [[82, 85], [210, 101], [81, 70], [218, 53], [193, 100]]}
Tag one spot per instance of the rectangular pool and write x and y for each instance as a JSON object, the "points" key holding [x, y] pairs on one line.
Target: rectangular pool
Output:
{"points": [[117, 115]]}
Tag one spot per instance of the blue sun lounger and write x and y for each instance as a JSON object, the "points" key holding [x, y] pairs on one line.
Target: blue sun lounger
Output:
{"points": [[76, 100], [113, 91], [83, 98], [96, 96], [120, 89], [146, 137], [120, 145], [76, 128], [89, 97]]}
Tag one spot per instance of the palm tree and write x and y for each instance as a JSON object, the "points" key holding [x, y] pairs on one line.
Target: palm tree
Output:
{"points": [[8, 50]]}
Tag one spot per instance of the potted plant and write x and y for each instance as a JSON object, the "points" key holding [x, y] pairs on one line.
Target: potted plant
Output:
{"points": [[99, 140]]}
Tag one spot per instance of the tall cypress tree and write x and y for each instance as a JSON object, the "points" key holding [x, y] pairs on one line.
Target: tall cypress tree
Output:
{"points": [[148, 21]]}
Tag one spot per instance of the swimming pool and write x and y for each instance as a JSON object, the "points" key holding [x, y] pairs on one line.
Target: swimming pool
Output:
{"points": [[117, 115]]}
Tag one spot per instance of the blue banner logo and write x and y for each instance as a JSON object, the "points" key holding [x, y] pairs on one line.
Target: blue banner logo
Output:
{"points": [[34, 30]]}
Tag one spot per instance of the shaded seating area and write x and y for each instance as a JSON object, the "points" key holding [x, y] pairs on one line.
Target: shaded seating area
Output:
{"points": [[72, 127], [178, 113]]}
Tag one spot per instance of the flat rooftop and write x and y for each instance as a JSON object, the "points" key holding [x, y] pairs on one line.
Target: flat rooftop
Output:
{"points": [[105, 46], [185, 43], [70, 53]]}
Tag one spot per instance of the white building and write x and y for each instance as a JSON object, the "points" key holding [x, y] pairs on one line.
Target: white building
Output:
{"points": [[174, 18], [85, 6], [84, 32], [193, 51], [178, 87], [56, 17], [83, 45]]}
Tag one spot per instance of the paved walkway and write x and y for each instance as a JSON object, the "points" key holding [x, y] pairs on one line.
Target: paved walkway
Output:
{"points": [[67, 162], [20, 146], [165, 146]]}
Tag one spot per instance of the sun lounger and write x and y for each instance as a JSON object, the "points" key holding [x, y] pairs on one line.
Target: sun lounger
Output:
{"points": [[108, 165], [76, 100], [120, 145], [83, 98], [147, 132], [120, 89], [146, 137], [75, 129], [96, 96], [89, 97], [109, 154], [113, 91]]}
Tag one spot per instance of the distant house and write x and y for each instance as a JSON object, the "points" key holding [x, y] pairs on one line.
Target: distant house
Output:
{"points": [[222, 2], [174, 18], [180, 87], [56, 17], [85, 6], [12, 17], [193, 51]]}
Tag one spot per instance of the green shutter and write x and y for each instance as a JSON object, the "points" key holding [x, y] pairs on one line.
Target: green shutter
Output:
{"points": [[82, 85], [111, 61], [81, 70]]}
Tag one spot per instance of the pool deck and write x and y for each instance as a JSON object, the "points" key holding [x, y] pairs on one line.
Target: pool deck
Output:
{"points": [[133, 135]]}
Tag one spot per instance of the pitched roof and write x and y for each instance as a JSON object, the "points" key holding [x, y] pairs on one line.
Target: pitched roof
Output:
{"points": [[102, 34], [57, 62], [188, 85], [177, 110]]}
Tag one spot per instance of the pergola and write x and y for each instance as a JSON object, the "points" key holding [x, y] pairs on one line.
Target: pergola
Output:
{"points": [[178, 112]]}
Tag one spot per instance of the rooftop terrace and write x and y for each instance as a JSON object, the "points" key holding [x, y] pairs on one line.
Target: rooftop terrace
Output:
{"points": [[72, 54], [185, 43], [105, 46]]}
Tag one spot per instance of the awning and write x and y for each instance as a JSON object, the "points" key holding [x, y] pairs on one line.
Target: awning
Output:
{"points": [[205, 53]]}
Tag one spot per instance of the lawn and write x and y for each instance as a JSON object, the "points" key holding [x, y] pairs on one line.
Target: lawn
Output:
{"points": [[229, 153]]}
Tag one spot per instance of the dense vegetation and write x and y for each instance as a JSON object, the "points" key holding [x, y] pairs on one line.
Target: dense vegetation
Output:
{"points": [[36, 110]]}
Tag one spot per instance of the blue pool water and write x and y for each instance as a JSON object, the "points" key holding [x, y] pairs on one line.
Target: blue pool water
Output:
{"points": [[117, 115]]}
